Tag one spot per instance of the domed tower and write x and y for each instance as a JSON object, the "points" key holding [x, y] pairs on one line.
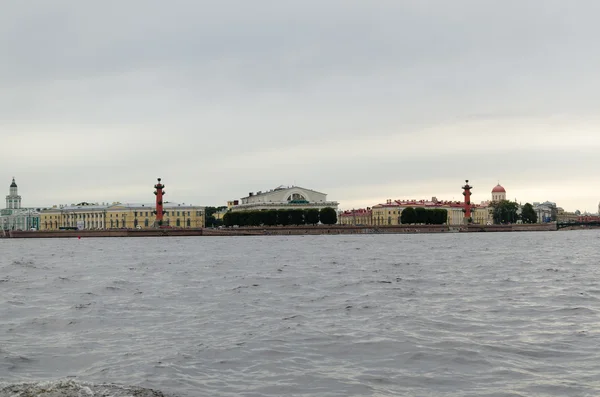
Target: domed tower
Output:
{"points": [[13, 200], [498, 193]]}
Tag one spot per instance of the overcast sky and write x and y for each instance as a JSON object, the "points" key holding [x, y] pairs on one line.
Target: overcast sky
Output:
{"points": [[363, 100]]}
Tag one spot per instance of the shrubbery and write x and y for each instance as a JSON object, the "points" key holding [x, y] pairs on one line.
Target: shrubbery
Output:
{"points": [[326, 216], [420, 215]]}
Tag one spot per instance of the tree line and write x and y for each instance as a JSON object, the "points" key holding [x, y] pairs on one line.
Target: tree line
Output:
{"points": [[420, 215], [285, 217], [505, 211]]}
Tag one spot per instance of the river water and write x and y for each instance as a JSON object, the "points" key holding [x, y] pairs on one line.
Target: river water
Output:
{"points": [[487, 314]]}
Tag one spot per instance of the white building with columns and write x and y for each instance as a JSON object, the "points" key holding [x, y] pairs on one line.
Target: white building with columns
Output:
{"points": [[281, 197], [15, 217]]}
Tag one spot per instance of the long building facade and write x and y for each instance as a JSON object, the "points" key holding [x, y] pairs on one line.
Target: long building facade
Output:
{"points": [[85, 216], [389, 213], [283, 198]]}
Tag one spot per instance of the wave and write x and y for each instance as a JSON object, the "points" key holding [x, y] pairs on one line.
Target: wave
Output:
{"points": [[71, 388]]}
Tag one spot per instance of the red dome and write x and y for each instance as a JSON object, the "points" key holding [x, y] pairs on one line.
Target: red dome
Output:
{"points": [[498, 189]]}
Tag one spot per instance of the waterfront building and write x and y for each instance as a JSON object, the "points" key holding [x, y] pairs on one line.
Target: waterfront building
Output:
{"points": [[293, 197], [389, 213], [15, 217], [498, 193], [546, 211], [357, 217], [565, 216], [586, 218], [94, 216]]}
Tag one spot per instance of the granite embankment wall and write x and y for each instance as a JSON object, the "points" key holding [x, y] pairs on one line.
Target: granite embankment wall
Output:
{"points": [[401, 229], [106, 233], [283, 231]]}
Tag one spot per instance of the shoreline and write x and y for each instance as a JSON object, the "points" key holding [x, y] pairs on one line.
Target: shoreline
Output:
{"points": [[287, 231]]}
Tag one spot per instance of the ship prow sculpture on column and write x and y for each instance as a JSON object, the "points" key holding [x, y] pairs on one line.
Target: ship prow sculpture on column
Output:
{"points": [[159, 212], [467, 208]]}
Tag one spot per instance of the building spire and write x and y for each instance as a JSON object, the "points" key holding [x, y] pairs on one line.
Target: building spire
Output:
{"points": [[13, 184]]}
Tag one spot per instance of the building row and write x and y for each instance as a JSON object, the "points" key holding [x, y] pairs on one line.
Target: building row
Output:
{"points": [[101, 216], [86, 216], [389, 213], [98, 216], [95, 216]]}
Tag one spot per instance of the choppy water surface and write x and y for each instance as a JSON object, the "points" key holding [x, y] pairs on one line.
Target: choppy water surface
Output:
{"points": [[504, 314]]}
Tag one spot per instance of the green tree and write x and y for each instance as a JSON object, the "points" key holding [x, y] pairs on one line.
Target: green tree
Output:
{"points": [[504, 211], [283, 217], [311, 216], [253, 218], [209, 216], [270, 218], [227, 219], [528, 214], [297, 217], [443, 216], [438, 216], [408, 216], [328, 216], [421, 215]]}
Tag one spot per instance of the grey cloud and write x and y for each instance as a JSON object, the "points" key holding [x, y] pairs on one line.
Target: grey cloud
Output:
{"points": [[224, 91]]}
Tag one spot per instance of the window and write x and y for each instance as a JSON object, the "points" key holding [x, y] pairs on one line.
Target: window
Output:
{"points": [[178, 222], [146, 222], [188, 222]]}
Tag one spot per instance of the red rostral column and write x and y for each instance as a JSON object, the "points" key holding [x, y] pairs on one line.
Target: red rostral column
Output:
{"points": [[159, 203], [467, 194]]}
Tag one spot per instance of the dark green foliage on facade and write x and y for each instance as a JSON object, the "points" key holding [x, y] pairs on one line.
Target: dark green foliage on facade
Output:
{"points": [[408, 216], [270, 217], [283, 217], [286, 217], [328, 216], [505, 211], [209, 218], [437, 216], [311, 216], [423, 216], [528, 214], [297, 217]]}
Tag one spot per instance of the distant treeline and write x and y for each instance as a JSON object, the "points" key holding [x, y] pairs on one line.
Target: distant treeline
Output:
{"points": [[326, 216], [419, 215]]}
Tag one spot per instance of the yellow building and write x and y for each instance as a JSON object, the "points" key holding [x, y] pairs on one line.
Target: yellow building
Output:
{"points": [[87, 216], [483, 215], [387, 214], [565, 216], [390, 212]]}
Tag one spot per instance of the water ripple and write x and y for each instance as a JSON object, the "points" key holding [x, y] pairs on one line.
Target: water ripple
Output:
{"points": [[453, 315]]}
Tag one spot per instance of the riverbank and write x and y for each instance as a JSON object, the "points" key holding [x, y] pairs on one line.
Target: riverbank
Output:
{"points": [[281, 231]]}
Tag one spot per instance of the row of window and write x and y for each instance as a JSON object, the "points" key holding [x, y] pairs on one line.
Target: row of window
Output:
{"points": [[141, 213], [115, 223]]}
